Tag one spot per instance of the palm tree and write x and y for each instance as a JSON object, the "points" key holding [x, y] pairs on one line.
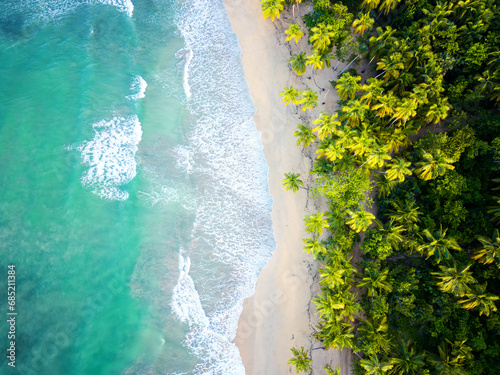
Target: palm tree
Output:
{"points": [[315, 223], [393, 234], [300, 360], [316, 61], [347, 86], [438, 111], [404, 212], [390, 66], [326, 125], [480, 299], [373, 366], [495, 210], [454, 281], [333, 276], [407, 361], [490, 250], [370, 4], [334, 151], [336, 335], [272, 8], [363, 23], [387, 5], [398, 169], [305, 135], [376, 336], [448, 362], [309, 99], [321, 36], [433, 165], [330, 371], [373, 90], [404, 110], [355, 112], [299, 63], [377, 156], [386, 105], [384, 185], [290, 95], [294, 32], [438, 245], [374, 279], [360, 220], [312, 245], [292, 182]]}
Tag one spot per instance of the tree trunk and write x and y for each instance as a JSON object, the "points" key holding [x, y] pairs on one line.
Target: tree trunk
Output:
{"points": [[380, 74], [367, 65], [338, 62], [348, 65]]}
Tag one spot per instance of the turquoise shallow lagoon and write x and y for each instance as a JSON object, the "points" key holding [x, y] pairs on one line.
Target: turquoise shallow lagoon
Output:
{"points": [[134, 200]]}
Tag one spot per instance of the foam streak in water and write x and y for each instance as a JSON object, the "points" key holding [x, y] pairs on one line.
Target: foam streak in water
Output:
{"points": [[110, 156], [138, 86]]}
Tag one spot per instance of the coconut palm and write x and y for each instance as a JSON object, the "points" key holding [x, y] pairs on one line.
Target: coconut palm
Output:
{"points": [[437, 111], [331, 276], [490, 249], [386, 105], [305, 135], [377, 156], [294, 32], [404, 212], [433, 165], [359, 220], [315, 223], [454, 281], [448, 361], [334, 152], [316, 61], [336, 335], [326, 125], [321, 36], [407, 360], [375, 279], [299, 63], [438, 245], [392, 233], [370, 4], [300, 360], [374, 366], [384, 185], [495, 210], [398, 169], [272, 8], [309, 99], [330, 371], [391, 66], [373, 90], [376, 336], [290, 95], [363, 23], [354, 112], [405, 110], [387, 5], [312, 245], [485, 302], [292, 182], [347, 86]]}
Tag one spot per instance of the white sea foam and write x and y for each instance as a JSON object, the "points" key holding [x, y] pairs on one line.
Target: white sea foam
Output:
{"points": [[232, 236], [110, 156], [138, 87], [187, 88]]}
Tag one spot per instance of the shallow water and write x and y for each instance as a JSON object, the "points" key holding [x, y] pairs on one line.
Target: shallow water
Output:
{"points": [[134, 196]]}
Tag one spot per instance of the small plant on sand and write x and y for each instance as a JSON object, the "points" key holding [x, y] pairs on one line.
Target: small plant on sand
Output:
{"points": [[300, 360]]}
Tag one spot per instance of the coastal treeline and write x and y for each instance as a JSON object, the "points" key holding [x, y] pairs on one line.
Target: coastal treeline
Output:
{"points": [[410, 163]]}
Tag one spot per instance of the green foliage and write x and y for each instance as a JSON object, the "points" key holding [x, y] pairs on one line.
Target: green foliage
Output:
{"points": [[345, 190], [375, 245]]}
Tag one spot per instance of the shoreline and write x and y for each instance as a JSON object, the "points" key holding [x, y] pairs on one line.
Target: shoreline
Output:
{"points": [[280, 314]]}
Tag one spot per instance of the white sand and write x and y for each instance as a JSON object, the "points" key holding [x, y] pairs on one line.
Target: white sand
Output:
{"points": [[280, 315]]}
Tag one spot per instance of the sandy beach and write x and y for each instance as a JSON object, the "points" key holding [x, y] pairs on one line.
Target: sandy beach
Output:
{"points": [[280, 315]]}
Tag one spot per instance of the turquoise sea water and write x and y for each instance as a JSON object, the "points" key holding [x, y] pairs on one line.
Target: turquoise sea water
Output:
{"points": [[133, 188]]}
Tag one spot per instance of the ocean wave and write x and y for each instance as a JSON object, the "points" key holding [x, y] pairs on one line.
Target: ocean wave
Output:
{"points": [[138, 86], [110, 156], [232, 236]]}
